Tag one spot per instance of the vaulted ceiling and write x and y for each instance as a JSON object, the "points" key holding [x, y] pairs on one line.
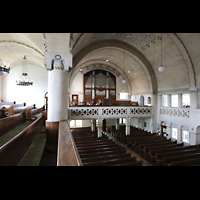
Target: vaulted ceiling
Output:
{"points": [[136, 56]]}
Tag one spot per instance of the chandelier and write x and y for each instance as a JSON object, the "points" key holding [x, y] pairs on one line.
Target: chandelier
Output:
{"points": [[4, 70], [25, 80]]}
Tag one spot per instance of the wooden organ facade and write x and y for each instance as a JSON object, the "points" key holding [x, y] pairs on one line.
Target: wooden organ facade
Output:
{"points": [[99, 85]]}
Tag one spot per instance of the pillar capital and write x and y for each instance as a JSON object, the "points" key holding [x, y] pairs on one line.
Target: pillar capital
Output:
{"points": [[57, 54]]}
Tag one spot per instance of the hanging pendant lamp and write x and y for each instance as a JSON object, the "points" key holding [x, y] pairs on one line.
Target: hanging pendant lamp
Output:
{"points": [[25, 80], [161, 68]]}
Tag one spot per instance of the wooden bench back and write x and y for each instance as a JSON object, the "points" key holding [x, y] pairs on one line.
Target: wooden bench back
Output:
{"points": [[8, 123], [12, 151]]}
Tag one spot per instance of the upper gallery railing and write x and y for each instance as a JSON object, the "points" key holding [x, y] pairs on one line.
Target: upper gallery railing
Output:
{"points": [[103, 112]]}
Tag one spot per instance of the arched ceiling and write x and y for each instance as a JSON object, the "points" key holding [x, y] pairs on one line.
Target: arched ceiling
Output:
{"points": [[13, 46], [136, 56], [139, 56]]}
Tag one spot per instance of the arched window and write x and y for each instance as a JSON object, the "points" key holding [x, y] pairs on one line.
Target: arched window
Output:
{"points": [[123, 94]]}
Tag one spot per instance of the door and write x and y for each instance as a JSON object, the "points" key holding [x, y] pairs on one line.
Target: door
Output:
{"points": [[74, 99]]}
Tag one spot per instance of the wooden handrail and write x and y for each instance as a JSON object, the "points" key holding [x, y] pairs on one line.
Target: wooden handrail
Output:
{"points": [[67, 152]]}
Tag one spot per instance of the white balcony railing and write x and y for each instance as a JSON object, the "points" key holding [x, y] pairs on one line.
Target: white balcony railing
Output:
{"points": [[101, 112]]}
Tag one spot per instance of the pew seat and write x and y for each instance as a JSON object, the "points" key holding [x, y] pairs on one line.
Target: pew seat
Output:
{"points": [[12, 133]]}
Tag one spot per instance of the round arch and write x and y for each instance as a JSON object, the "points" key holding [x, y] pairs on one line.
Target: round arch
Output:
{"points": [[98, 64], [123, 45]]}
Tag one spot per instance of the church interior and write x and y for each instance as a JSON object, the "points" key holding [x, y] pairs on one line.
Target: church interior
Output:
{"points": [[99, 99]]}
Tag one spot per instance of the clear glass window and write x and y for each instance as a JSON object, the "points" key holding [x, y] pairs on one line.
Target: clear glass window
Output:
{"points": [[174, 133], [186, 100], [174, 100], [164, 100]]}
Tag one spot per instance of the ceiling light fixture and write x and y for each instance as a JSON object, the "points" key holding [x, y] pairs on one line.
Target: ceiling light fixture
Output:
{"points": [[123, 81], [4, 70], [161, 68], [25, 80]]}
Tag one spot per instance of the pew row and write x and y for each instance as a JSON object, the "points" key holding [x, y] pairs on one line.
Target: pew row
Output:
{"points": [[2, 112], [14, 110], [13, 151], [158, 150], [101, 151], [8, 123], [32, 112]]}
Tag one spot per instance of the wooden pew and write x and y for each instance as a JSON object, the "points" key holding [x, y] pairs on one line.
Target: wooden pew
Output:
{"points": [[130, 164], [104, 157], [160, 152], [8, 123], [111, 162], [162, 157], [148, 150], [7, 105], [108, 152], [101, 152], [31, 112], [12, 151], [93, 142], [191, 162], [186, 156], [3, 112], [14, 109]]}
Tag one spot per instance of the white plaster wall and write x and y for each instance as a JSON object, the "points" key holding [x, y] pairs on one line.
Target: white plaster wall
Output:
{"points": [[137, 98], [29, 94], [120, 86]]}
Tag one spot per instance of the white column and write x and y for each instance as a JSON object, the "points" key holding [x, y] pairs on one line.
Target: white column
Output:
{"points": [[179, 135], [155, 111], [117, 124], [169, 100], [128, 124], [57, 95], [180, 100], [93, 125], [58, 60], [100, 124]]}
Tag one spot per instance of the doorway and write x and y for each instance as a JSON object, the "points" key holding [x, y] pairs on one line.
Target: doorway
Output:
{"points": [[74, 99]]}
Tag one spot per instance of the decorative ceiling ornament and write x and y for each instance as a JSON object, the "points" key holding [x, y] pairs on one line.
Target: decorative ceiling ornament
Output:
{"points": [[25, 80], [4, 70]]}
